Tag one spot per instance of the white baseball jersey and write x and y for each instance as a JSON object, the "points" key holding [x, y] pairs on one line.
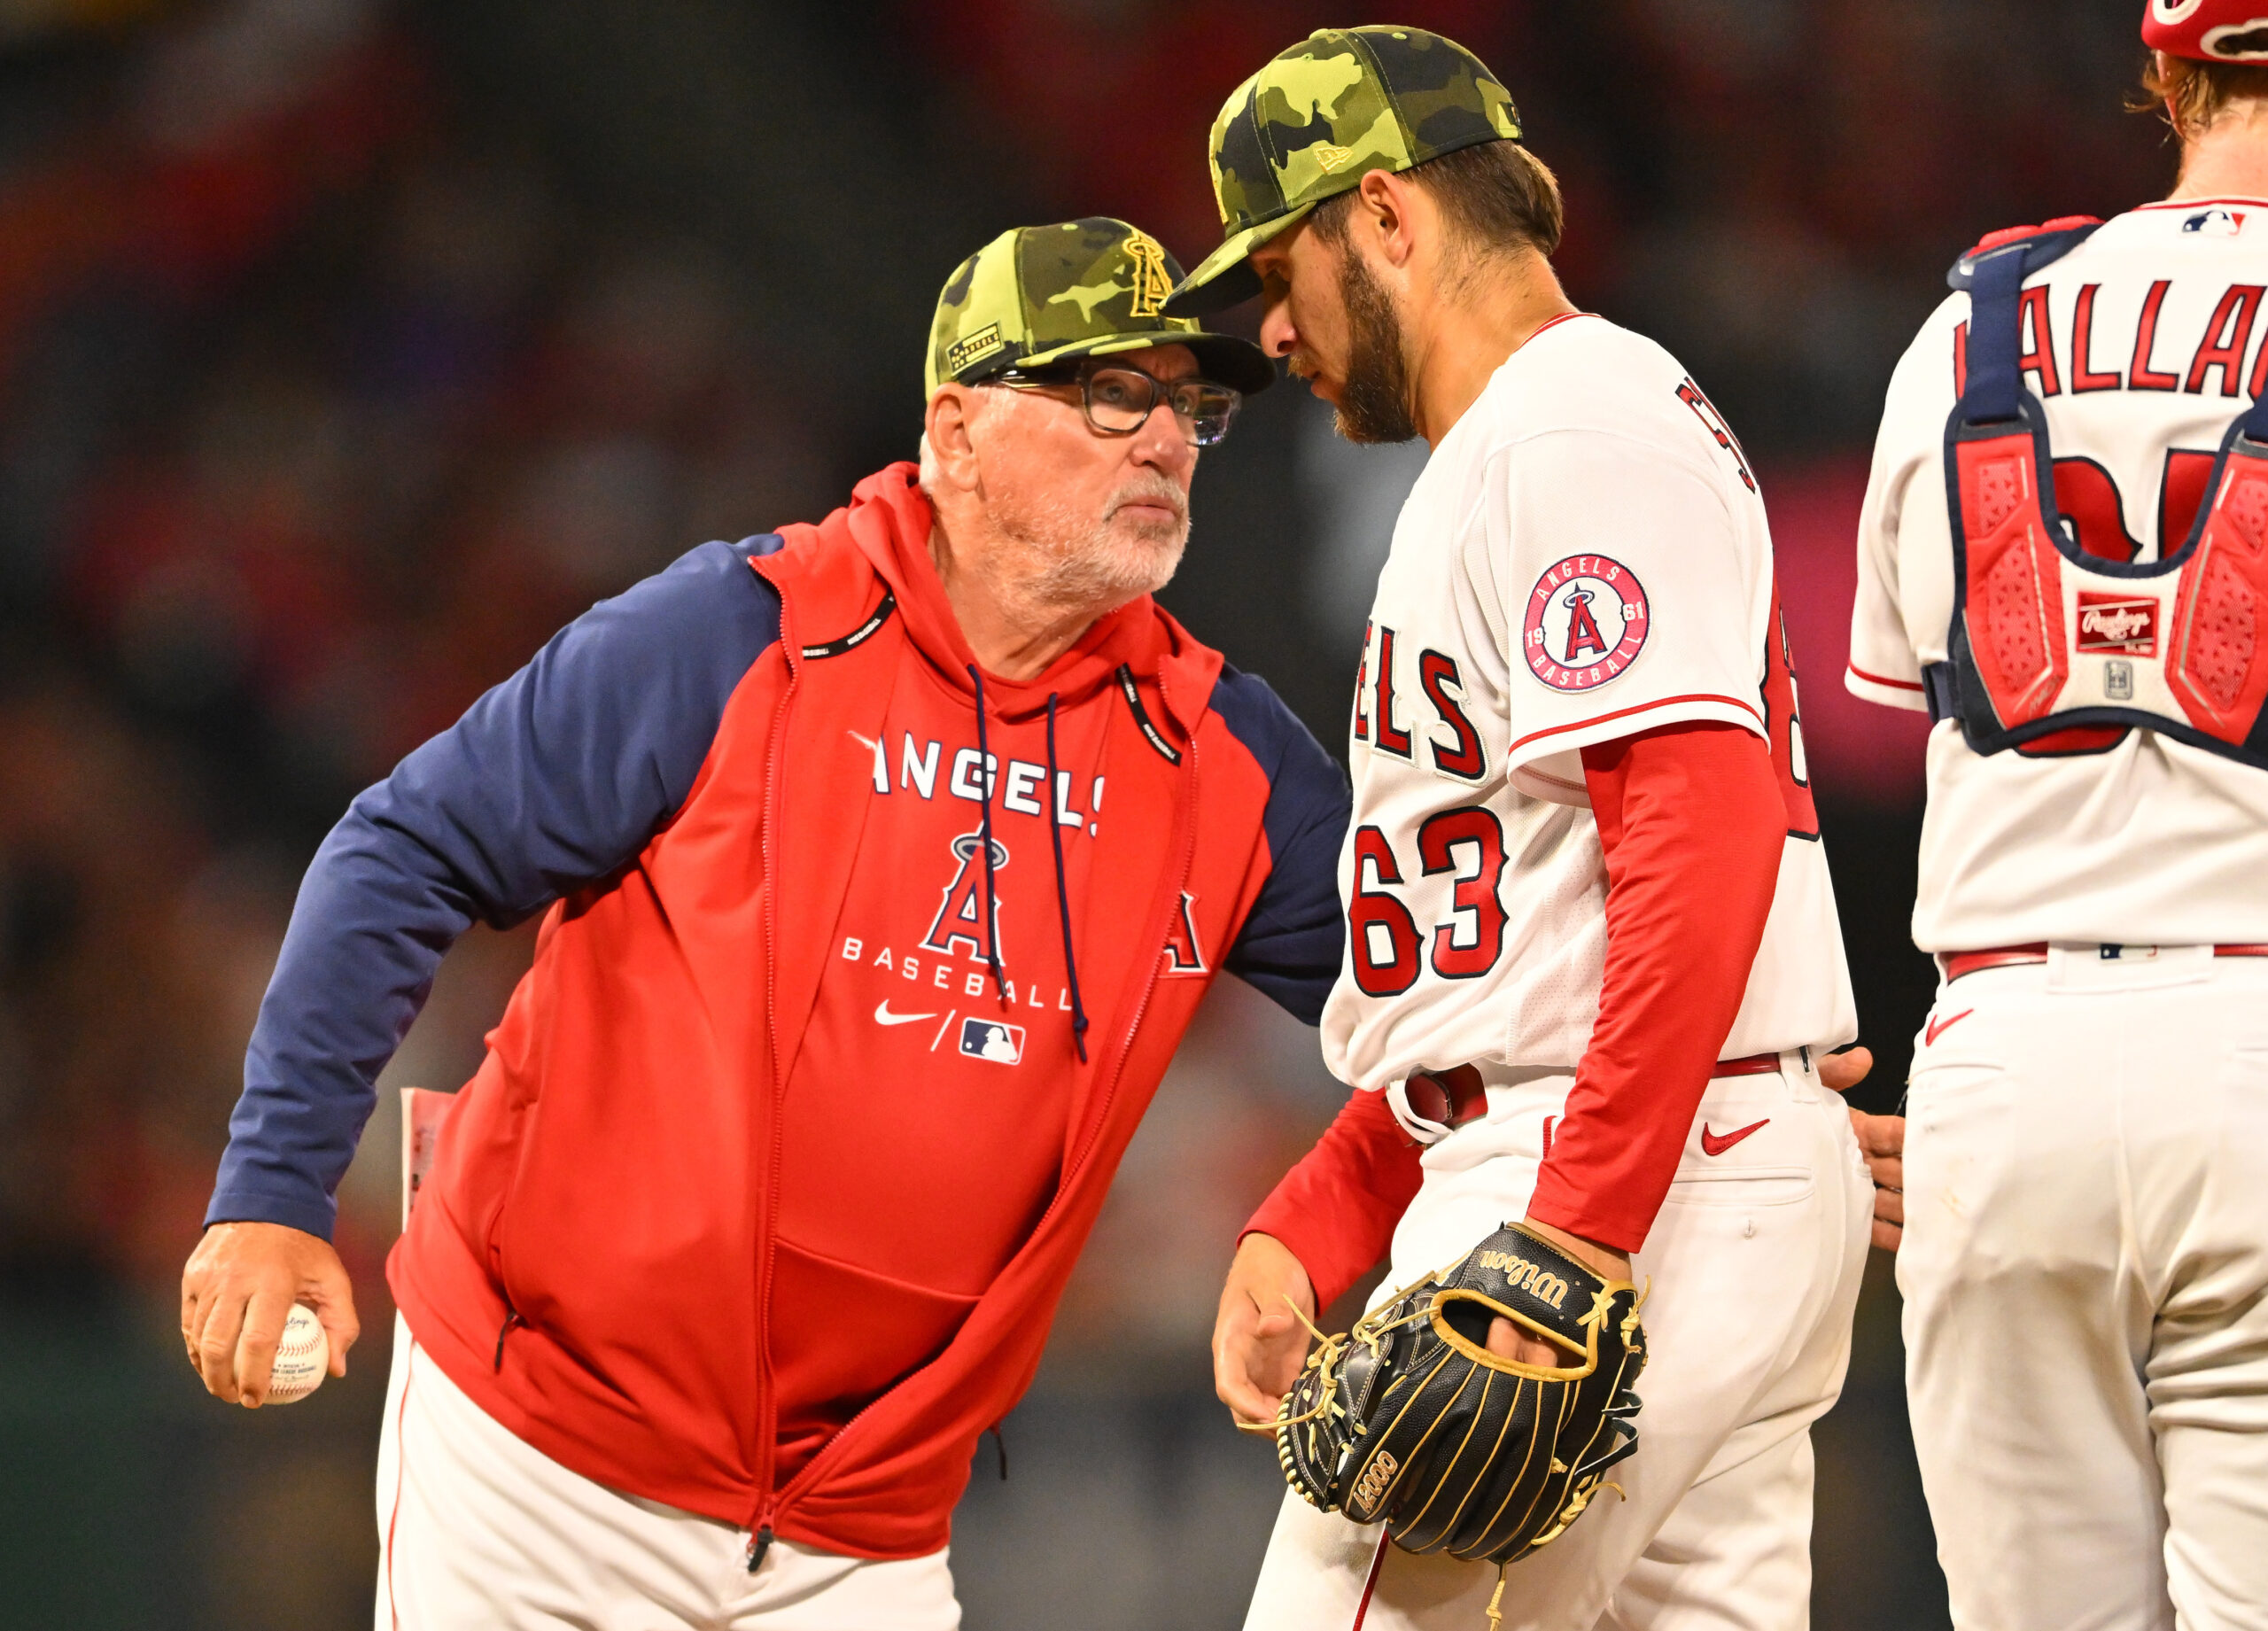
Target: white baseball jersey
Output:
{"points": [[1584, 558], [2151, 347]]}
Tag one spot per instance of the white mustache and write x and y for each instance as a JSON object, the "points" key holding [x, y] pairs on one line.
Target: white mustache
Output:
{"points": [[1159, 491]]}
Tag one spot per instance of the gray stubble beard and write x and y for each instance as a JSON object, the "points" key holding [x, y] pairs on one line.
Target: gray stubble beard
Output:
{"points": [[1084, 566]]}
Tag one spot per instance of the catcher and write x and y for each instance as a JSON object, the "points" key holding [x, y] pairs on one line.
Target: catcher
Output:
{"points": [[1592, 956]]}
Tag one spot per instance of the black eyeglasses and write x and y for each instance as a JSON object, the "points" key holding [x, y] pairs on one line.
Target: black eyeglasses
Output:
{"points": [[1119, 400]]}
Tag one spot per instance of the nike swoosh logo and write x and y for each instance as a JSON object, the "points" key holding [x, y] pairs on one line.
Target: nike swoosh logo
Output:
{"points": [[1938, 1027], [1717, 1144], [883, 1016]]}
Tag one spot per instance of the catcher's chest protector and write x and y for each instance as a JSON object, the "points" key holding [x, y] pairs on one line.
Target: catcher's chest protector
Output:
{"points": [[2057, 652]]}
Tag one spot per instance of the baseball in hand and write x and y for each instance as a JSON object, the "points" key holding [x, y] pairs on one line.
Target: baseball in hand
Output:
{"points": [[301, 1357]]}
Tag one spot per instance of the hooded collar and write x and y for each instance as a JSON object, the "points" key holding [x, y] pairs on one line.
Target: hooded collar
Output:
{"points": [[889, 518]]}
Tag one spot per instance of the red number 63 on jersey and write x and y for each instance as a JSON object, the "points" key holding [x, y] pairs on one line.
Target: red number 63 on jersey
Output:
{"points": [[1385, 939]]}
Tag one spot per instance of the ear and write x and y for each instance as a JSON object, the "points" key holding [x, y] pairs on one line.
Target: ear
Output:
{"points": [[948, 424], [1386, 204]]}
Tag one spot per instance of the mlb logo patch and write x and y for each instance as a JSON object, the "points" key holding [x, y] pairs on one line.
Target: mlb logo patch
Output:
{"points": [[994, 1039], [2216, 223], [2126, 624]]}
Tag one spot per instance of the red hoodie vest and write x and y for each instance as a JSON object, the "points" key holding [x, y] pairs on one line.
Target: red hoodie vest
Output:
{"points": [[717, 1223]]}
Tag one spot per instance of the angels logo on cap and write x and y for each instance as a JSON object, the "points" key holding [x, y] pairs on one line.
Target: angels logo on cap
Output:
{"points": [[2208, 30], [1586, 621]]}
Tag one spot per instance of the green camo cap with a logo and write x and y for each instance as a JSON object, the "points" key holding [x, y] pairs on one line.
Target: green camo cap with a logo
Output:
{"points": [[1318, 118], [1037, 295]]}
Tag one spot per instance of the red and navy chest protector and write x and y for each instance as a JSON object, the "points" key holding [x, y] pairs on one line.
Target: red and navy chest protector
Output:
{"points": [[858, 969], [2053, 650]]}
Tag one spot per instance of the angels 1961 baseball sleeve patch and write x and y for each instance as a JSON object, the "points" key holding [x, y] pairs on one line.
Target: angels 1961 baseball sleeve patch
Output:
{"points": [[1586, 620]]}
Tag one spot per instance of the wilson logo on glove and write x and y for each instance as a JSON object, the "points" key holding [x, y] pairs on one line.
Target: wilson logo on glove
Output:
{"points": [[1547, 1287], [1409, 1419]]}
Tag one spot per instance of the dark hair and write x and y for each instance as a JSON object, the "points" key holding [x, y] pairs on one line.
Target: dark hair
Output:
{"points": [[1495, 195], [2200, 92]]}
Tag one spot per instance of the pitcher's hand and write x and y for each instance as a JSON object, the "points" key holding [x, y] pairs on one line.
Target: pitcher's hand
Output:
{"points": [[1258, 1343], [238, 1289]]}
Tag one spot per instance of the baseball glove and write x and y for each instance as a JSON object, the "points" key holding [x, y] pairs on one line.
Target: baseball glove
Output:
{"points": [[1408, 1419]]}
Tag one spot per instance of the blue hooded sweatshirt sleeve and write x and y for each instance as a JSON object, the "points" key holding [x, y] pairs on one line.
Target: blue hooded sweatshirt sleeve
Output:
{"points": [[554, 778], [1291, 944]]}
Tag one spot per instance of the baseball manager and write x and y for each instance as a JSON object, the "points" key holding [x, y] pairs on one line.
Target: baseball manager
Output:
{"points": [[883, 864]]}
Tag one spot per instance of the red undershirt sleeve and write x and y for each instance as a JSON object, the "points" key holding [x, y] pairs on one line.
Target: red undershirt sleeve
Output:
{"points": [[1336, 1209], [1692, 822]]}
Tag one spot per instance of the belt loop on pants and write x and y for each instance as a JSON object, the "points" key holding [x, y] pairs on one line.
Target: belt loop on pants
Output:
{"points": [[1458, 1095], [1957, 964]]}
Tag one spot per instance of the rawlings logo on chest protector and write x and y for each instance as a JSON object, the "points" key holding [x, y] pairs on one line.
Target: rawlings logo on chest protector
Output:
{"points": [[2118, 623]]}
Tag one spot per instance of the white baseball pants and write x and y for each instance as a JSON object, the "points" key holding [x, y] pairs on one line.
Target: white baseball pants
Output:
{"points": [[479, 1531], [2085, 1274], [1754, 1265]]}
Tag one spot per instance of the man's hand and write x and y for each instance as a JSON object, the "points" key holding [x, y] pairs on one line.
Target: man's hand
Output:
{"points": [[1845, 1070], [1258, 1342], [238, 1289], [1882, 1140]]}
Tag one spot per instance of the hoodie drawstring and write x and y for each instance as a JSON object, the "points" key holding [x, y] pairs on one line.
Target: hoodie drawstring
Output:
{"points": [[1055, 842], [984, 836], [1063, 911]]}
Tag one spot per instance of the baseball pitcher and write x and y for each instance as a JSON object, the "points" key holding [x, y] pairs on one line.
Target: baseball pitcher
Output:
{"points": [[1592, 957], [2063, 559]]}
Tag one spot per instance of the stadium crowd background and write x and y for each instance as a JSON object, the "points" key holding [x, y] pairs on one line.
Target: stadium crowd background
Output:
{"points": [[348, 347]]}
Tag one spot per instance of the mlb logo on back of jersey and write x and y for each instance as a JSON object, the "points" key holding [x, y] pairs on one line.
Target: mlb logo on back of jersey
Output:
{"points": [[994, 1039], [2215, 223]]}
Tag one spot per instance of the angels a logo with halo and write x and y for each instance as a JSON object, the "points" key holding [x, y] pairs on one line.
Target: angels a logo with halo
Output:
{"points": [[1586, 621]]}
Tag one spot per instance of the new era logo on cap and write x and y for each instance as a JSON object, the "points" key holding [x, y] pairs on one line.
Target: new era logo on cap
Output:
{"points": [[974, 347]]}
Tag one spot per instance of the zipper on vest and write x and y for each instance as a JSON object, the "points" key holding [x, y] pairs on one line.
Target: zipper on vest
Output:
{"points": [[758, 1543]]}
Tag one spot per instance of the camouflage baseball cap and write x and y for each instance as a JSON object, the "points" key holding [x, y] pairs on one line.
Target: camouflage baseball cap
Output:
{"points": [[1318, 118], [1037, 295]]}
